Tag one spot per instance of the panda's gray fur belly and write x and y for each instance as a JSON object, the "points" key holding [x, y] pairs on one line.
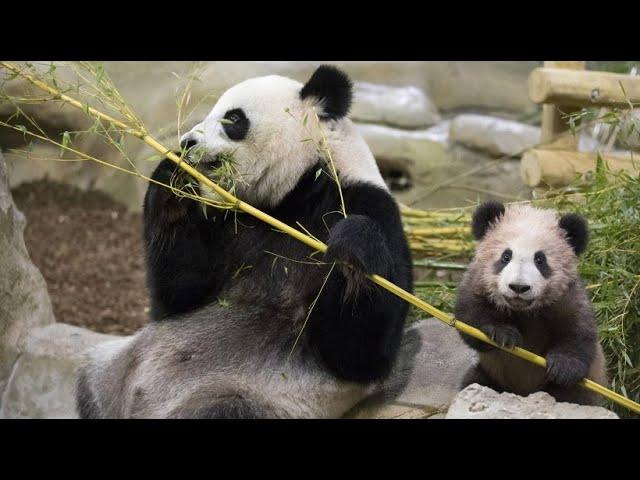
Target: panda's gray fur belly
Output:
{"points": [[218, 361]]}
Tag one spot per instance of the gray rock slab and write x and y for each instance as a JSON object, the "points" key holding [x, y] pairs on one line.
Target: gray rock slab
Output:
{"points": [[42, 383], [436, 362]]}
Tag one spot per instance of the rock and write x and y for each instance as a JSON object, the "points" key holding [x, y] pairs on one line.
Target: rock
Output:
{"points": [[405, 107], [417, 151], [493, 135], [480, 402], [433, 361], [44, 377], [24, 300]]}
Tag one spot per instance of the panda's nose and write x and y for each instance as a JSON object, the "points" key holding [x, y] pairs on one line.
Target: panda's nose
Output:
{"points": [[187, 144], [519, 288]]}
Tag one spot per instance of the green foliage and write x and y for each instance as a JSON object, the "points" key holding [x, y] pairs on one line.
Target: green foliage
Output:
{"points": [[613, 67], [611, 270]]}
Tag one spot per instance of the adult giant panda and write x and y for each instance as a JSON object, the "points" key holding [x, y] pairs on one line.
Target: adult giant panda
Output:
{"points": [[230, 295]]}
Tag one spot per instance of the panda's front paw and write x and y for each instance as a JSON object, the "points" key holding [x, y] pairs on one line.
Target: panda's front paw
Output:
{"points": [[503, 334], [565, 370], [164, 172], [161, 202], [357, 242]]}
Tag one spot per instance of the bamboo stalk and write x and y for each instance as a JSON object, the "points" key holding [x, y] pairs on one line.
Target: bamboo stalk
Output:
{"points": [[307, 240], [436, 264]]}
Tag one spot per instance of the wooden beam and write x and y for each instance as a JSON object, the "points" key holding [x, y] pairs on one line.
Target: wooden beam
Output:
{"points": [[555, 129], [558, 168], [582, 88]]}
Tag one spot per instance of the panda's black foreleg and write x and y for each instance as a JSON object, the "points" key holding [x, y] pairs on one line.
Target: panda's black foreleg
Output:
{"points": [[356, 326], [475, 311], [177, 247]]}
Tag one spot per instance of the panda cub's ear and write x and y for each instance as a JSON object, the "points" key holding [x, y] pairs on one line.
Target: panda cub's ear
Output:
{"points": [[333, 88], [577, 231], [483, 216]]}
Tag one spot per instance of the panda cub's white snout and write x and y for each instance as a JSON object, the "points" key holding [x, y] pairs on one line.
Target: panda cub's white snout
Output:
{"points": [[519, 280]]}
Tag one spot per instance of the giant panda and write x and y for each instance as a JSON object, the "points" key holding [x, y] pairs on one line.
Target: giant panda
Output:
{"points": [[522, 288], [247, 322]]}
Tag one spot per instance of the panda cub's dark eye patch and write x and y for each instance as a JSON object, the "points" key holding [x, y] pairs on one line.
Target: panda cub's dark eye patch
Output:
{"points": [[505, 258], [540, 260], [236, 124]]}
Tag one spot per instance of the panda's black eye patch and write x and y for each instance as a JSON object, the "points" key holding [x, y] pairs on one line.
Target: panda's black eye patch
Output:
{"points": [[505, 258], [235, 124], [540, 260]]}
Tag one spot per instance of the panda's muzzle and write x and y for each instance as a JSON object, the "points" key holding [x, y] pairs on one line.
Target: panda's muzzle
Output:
{"points": [[203, 162], [209, 162], [197, 157]]}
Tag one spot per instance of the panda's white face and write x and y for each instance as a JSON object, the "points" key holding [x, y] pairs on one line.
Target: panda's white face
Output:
{"points": [[523, 273], [258, 122], [273, 136], [525, 259]]}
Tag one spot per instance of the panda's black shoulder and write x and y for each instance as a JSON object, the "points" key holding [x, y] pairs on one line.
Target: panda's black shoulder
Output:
{"points": [[315, 190]]}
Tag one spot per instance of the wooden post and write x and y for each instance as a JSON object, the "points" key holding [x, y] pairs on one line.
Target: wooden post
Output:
{"points": [[555, 129]]}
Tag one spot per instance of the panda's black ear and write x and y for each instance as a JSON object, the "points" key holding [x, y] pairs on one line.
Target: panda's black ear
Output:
{"points": [[333, 88], [577, 231], [486, 213]]}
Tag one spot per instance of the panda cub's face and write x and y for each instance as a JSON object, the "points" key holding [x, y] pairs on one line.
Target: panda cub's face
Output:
{"points": [[269, 127], [527, 255]]}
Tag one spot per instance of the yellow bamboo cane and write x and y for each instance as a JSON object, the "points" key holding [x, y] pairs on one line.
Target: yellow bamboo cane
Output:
{"points": [[315, 244]]}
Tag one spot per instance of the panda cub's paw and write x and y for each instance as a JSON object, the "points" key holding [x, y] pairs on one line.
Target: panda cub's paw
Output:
{"points": [[503, 334], [565, 370], [359, 243]]}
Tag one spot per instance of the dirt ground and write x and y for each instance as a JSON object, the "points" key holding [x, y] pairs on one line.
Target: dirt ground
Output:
{"points": [[89, 250]]}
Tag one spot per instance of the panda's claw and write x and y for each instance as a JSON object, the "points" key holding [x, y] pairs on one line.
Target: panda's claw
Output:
{"points": [[507, 336]]}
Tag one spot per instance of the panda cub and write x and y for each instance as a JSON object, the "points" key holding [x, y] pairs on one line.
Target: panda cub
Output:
{"points": [[233, 334], [523, 289]]}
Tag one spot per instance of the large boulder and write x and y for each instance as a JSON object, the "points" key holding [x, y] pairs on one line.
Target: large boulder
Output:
{"points": [[405, 107], [38, 357], [24, 300], [480, 402]]}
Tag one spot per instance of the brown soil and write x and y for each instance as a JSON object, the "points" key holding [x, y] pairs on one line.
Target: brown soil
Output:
{"points": [[89, 250]]}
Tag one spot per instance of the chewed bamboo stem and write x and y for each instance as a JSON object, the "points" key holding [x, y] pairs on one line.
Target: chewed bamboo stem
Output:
{"points": [[311, 242]]}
